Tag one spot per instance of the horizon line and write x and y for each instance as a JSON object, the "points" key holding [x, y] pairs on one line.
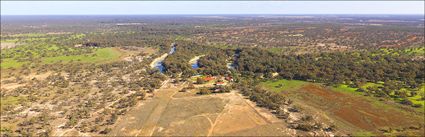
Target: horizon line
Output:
{"points": [[211, 14]]}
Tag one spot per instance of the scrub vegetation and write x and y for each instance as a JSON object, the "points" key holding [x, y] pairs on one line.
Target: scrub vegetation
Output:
{"points": [[255, 75]]}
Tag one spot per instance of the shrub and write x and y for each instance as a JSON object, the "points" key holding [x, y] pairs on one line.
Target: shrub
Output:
{"points": [[204, 91], [360, 90], [183, 90], [106, 131], [304, 127], [200, 80], [330, 128], [293, 109], [406, 101], [417, 105]]}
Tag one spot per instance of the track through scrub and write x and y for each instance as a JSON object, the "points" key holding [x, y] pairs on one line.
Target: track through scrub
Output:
{"points": [[197, 115], [141, 120]]}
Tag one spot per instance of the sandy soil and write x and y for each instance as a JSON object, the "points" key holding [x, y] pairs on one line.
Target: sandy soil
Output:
{"points": [[173, 113], [6, 45], [26, 78], [238, 115], [159, 59]]}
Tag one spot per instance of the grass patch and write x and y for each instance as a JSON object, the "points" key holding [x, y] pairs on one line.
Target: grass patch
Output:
{"points": [[53, 47], [417, 99], [77, 36], [370, 84], [224, 46], [9, 40], [283, 84], [363, 134], [194, 78], [415, 51], [10, 101], [346, 88], [100, 55], [182, 38], [275, 50], [29, 35], [11, 63]]}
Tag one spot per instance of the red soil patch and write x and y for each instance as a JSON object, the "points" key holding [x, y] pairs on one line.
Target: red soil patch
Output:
{"points": [[357, 110], [209, 78], [411, 38]]}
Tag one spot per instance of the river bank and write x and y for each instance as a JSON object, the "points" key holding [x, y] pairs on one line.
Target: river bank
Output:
{"points": [[194, 61]]}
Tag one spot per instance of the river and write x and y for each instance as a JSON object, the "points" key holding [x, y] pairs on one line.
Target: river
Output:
{"points": [[232, 65], [194, 61], [158, 62]]}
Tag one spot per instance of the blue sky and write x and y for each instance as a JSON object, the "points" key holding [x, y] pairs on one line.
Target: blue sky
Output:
{"points": [[209, 7]]}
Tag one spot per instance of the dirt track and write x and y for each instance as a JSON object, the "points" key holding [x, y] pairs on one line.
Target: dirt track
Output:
{"points": [[141, 120], [170, 113]]}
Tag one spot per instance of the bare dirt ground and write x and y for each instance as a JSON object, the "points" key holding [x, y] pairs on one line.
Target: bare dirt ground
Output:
{"points": [[357, 113], [141, 120], [159, 59], [240, 114], [173, 113], [6, 45], [131, 53], [13, 85]]}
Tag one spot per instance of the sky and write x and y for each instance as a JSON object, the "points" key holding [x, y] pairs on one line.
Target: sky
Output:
{"points": [[208, 7]]}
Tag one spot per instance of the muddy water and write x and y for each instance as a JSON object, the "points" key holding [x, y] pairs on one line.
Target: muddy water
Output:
{"points": [[232, 64], [195, 65], [158, 62], [194, 62]]}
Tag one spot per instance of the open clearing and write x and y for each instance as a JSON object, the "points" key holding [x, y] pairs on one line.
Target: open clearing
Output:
{"points": [[99, 56], [6, 45], [173, 113], [349, 110]]}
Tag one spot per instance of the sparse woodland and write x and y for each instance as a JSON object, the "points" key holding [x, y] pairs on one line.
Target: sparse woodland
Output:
{"points": [[87, 73]]}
